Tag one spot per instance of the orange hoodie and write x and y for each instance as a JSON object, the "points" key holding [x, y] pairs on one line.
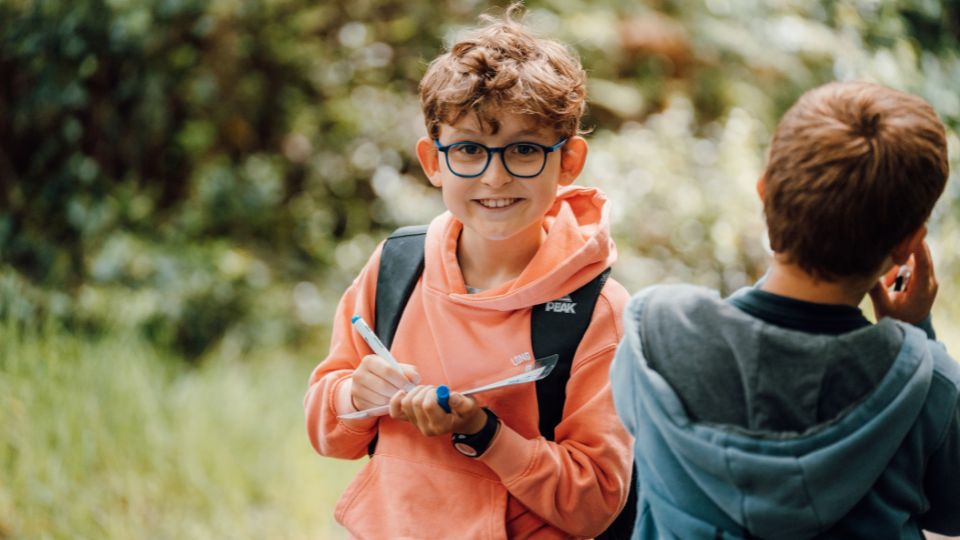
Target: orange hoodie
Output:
{"points": [[523, 486]]}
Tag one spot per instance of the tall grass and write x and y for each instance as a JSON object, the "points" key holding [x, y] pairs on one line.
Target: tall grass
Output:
{"points": [[110, 438]]}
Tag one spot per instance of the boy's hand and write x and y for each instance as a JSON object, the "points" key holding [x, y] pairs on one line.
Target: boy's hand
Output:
{"points": [[420, 408], [375, 381], [912, 304]]}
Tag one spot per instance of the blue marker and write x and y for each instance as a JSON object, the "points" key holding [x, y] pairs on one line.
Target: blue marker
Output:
{"points": [[443, 397]]}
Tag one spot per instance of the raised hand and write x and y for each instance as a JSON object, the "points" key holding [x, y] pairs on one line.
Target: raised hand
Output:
{"points": [[914, 302]]}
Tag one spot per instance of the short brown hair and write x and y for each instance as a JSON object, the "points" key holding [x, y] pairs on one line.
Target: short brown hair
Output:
{"points": [[854, 168], [501, 67]]}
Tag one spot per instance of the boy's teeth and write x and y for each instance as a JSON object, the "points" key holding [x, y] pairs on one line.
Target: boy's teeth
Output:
{"points": [[497, 203]]}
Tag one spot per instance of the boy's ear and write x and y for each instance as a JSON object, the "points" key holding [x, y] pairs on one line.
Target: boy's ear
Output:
{"points": [[573, 155], [429, 158], [762, 186], [902, 251]]}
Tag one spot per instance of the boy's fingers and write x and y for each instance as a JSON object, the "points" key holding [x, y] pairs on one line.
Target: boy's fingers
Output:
{"points": [[396, 406], [428, 401], [922, 262], [413, 405], [429, 412], [360, 403], [383, 369], [406, 400], [364, 399], [890, 276], [410, 373], [373, 384], [461, 404]]}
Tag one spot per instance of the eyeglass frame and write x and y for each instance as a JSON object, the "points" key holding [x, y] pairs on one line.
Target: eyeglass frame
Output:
{"points": [[491, 150]]}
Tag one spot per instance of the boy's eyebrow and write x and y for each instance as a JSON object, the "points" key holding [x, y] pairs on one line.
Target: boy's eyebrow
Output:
{"points": [[460, 131], [521, 133], [529, 133]]}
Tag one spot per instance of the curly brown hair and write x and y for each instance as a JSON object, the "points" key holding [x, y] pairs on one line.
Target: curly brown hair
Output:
{"points": [[854, 168], [500, 67]]}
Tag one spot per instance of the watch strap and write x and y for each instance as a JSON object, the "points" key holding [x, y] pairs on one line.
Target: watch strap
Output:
{"points": [[475, 444]]}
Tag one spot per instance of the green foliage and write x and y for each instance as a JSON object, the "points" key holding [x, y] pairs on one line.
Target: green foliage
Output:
{"points": [[149, 138], [185, 167]]}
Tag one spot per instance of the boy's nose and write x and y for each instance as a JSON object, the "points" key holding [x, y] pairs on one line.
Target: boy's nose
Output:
{"points": [[496, 174]]}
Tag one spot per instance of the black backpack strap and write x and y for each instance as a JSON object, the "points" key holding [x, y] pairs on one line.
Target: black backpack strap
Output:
{"points": [[557, 328], [401, 263]]}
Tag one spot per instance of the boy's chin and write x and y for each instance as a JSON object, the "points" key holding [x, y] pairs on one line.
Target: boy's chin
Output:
{"points": [[499, 234]]}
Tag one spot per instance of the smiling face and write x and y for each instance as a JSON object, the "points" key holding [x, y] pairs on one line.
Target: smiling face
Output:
{"points": [[496, 205]]}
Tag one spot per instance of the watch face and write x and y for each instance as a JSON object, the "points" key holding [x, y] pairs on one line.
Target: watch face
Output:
{"points": [[465, 449]]}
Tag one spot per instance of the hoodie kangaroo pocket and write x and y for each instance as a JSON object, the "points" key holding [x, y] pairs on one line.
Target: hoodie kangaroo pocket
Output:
{"points": [[395, 498]]}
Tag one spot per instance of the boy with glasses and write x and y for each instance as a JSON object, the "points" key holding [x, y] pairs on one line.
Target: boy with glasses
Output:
{"points": [[502, 111], [782, 412]]}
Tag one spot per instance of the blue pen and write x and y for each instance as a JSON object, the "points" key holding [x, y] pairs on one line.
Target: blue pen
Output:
{"points": [[443, 397]]}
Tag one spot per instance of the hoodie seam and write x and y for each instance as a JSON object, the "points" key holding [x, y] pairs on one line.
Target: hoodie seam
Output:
{"points": [[821, 385], [750, 377], [596, 355], [598, 320], [610, 313]]}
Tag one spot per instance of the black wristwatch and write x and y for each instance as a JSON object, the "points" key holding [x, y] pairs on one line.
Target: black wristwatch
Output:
{"points": [[476, 444]]}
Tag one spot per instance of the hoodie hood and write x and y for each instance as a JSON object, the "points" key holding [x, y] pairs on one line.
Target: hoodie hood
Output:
{"points": [[697, 477], [577, 248]]}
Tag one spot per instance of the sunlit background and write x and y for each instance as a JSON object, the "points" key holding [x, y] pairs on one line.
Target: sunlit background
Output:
{"points": [[187, 186]]}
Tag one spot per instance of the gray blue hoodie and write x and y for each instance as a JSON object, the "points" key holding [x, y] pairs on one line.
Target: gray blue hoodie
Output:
{"points": [[884, 465]]}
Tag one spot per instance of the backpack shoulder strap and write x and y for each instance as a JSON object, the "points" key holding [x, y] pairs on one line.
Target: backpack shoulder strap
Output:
{"points": [[401, 263], [557, 328]]}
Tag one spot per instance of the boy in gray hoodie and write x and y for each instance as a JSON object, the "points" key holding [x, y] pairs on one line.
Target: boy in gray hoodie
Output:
{"points": [[781, 411]]}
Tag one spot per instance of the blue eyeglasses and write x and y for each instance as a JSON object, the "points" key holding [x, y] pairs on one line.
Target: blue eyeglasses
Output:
{"points": [[522, 159]]}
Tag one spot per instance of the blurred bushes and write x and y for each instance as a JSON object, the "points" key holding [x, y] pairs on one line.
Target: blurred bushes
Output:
{"points": [[195, 152], [217, 171]]}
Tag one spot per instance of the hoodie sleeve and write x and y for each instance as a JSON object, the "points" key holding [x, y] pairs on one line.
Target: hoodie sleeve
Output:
{"points": [[580, 482], [329, 391]]}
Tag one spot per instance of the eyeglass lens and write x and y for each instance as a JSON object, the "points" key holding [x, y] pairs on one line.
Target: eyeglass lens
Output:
{"points": [[520, 159]]}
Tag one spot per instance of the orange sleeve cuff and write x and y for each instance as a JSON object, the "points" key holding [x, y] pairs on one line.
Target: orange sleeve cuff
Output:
{"points": [[510, 455]]}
